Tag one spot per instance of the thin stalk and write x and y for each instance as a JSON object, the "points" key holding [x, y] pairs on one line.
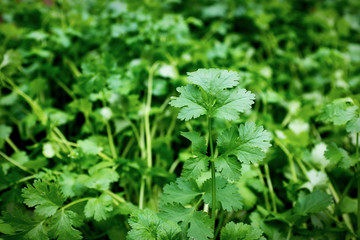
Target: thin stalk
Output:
{"points": [[213, 180], [127, 147], [289, 233], [12, 161], [142, 193], [266, 197], [75, 202], [271, 189], [358, 184], [114, 196], [111, 140], [12, 144], [290, 158]]}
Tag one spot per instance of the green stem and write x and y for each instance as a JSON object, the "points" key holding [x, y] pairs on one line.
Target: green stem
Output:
{"points": [[111, 140], [114, 196], [266, 197], [75, 202], [290, 158], [12, 144], [358, 184], [213, 180], [289, 233], [271, 189], [12, 161], [142, 193]]}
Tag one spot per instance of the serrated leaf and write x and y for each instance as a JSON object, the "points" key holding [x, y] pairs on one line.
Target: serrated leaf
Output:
{"points": [[146, 225], [190, 102], [195, 166], [197, 224], [62, 226], [247, 143], [200, 226], [213, 80], [231, 103], [227, 195], [99, 208], [338, 112], [168, 231], [314, 202], [182, 192], [353, 125], [102, 178], [38, 232], [46, 199], [241, 231], [198, 142], [338, 156], [229, 167]]}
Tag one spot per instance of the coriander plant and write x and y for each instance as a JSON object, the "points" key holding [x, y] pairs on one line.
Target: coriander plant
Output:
{"points": [[212, 93]]}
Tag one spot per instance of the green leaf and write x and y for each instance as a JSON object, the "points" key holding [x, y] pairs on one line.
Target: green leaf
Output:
{"points": [[38, 232], [99, 208], [240, 231], [338, 156], [248, 144], [229, 167], [46, 199], [62, 226], [5, 131], [227, 195], [312, 203], [190, 102], [198, 224], [353, 125], [213, 80], [338, 112], [102, 178], [195, 166], [182, 192], [146, 225], [198, 142], [168, 231], [89, 147], [231, 103]]}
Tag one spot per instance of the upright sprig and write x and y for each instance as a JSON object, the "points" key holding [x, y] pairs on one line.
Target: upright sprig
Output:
{"points": [[215, 94]]}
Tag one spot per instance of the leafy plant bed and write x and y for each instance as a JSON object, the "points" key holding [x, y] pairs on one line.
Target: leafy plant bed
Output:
{"points": [[179, 120]]}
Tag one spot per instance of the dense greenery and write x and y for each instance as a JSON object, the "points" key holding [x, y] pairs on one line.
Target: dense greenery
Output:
{"points": [[170, 119]]}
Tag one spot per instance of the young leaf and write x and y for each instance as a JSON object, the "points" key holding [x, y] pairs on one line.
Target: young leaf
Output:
{"points": [[338, 156], [147, 225], [198, 224], [353, 125], [312, 203], [46, 199], [229, 167], [99, 208], [5, 131], [240, 231], [102, 178], [339, 112], [37, 232], [213, 80], [231, 103], [227, 194], [198, 142], [190, 101], [247, 144], [62, 225], [182, 192], [193, 167]]}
